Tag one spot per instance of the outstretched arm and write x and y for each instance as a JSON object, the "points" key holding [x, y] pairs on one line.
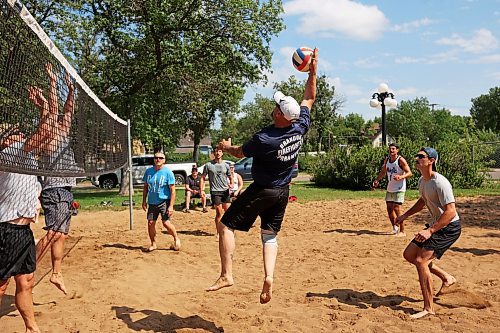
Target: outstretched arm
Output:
{"points": [[310, 90], [69, 107]]}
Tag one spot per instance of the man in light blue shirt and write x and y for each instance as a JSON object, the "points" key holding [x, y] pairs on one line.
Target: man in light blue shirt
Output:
{"points": [[158, 197]]}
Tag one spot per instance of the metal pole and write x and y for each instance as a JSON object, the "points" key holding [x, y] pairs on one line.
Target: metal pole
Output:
{"points": [[384, 134], [130, 180]]}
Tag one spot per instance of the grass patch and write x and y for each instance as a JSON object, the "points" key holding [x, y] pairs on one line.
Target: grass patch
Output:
{"points": [[91, 198]]}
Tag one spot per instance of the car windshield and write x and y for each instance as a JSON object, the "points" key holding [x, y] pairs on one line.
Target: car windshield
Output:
{"points": [[244, 160]]}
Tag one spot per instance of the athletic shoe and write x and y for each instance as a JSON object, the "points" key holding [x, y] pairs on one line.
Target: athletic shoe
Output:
{"points": [[395, 229]]}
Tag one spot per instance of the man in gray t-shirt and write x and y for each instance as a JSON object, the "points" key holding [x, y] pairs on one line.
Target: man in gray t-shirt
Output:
{"points": [[444, 229], [220, 181]]}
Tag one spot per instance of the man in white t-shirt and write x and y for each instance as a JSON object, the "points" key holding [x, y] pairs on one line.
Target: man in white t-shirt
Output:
{"points": [[397, 170], [443, 230]]}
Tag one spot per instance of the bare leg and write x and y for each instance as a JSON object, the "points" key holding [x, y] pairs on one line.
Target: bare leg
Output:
{"points": [[152, 235], [3, 289], [447, 279], [226, 250], [269, 254], [392, 215], [24, 301], [204, 201], [171, 230], [218, 216], [188, 200], [44, 244], [424, 257], [57, 253], [397, 212]]}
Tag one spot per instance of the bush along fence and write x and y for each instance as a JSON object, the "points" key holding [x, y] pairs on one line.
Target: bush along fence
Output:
{"points": [[355, 167]]}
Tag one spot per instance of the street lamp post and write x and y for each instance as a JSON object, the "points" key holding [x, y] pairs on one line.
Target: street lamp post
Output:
{"points": [[381, 99]]}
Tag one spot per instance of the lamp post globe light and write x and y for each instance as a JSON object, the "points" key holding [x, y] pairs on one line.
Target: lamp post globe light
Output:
{"points": [[381, 99]]}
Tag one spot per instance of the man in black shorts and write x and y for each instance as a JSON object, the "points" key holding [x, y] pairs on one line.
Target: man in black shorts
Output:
{"points": [[194, 190], [431, 242], [274, 150]]}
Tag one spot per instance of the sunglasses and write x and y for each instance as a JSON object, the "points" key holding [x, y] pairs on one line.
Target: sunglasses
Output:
{"points": [[421, 156], [159, 158]]}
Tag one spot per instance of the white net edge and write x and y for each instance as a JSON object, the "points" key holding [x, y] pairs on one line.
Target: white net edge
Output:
{"points": [[35, 27]]}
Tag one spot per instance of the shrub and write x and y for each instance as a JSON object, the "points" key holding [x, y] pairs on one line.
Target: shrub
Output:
{"points": [[355, 168]]}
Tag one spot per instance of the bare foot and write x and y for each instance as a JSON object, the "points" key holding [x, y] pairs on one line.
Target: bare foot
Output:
{"points": [[400, 234], [151, 248], [445, 287], [221, 282], [177, 245], [57, 280], [422, 314], [267, 290]]}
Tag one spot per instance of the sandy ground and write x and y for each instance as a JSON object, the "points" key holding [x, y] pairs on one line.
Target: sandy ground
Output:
{"points": [[338, 271]]}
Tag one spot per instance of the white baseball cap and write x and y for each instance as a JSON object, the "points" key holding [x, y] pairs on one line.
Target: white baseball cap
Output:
{"points": [[288, 105]]}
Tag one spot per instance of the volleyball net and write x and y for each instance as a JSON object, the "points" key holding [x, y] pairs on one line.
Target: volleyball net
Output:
{"points": [[51, 123]]}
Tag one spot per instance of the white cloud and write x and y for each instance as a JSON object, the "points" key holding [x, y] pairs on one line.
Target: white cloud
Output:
{"points": [[408, 60], [413, 25], [408, 91], [489, 59], [370, 62], [495, 75], [338, 17], [482, 41]]}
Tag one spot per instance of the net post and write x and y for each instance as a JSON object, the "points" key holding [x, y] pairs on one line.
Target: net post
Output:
{"points": [[130, 180]]}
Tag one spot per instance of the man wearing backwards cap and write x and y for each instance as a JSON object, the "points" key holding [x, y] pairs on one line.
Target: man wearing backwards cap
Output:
{"points": [[435, 193], [274, 150]]}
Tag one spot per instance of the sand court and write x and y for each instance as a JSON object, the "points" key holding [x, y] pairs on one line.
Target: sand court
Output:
{"points": [[338, 270]]}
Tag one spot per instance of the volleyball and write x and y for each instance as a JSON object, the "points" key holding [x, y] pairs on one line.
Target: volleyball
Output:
{"points": [[301, 58]]}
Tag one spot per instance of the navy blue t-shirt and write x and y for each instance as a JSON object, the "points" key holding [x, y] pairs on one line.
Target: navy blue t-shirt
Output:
{"points": [[275, 150]]}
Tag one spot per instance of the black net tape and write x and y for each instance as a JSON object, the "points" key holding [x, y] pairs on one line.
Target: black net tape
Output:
{"points": [[50, 122]]}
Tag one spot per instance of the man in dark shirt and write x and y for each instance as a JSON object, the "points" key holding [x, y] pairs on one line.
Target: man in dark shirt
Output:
{"points": [[274, 150], [193, 190]]}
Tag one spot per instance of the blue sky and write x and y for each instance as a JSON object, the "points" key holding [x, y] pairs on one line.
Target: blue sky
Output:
{"points": [[445, 50]]}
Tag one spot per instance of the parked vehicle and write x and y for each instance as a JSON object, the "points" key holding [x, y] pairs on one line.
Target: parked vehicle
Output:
{"points": [[139, 166], [244, 168]]}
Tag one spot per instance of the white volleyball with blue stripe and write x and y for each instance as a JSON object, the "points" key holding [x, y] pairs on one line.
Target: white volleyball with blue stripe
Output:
{"points": [[301, 58]]}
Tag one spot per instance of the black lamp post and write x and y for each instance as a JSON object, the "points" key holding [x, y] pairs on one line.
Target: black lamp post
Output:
{"points": [[383, 98]]}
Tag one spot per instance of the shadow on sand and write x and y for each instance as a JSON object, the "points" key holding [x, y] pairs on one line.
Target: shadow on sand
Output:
{"points": [[193, 233], [357, 232], [477, 252], [156, 321], [367, 299]]}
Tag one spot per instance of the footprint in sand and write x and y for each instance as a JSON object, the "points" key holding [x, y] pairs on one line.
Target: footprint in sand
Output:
{"points": [[458, 297]]}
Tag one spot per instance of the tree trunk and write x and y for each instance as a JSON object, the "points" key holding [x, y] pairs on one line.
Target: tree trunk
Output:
{"points": [[124, 188]]}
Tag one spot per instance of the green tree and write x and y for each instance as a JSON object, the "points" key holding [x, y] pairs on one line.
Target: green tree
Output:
{"points": [[485, 110], [144, 57]]}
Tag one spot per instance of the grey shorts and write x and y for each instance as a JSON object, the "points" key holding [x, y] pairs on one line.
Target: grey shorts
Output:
{"points": [[160, 209], [17, 250], [56, 204]]}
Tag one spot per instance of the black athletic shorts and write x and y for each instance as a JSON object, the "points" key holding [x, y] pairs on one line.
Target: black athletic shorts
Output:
{"points": [[441, 240], [57, 208], [220, 197], [160, 209], [268, 203], [17, 250]]}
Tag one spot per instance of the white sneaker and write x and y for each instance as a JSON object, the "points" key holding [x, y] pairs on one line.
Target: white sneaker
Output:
{"points": [[395, 229]]}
